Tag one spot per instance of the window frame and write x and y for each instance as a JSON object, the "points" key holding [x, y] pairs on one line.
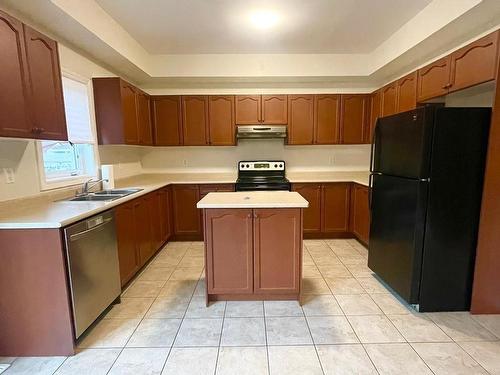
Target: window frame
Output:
{"points": [[67, 181]]}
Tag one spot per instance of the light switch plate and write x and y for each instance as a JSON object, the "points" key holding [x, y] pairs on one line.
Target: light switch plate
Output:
{"points": [[10, 178]]}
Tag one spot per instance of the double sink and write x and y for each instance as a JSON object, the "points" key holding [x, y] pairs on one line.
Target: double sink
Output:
{"points": [[104, 195]]}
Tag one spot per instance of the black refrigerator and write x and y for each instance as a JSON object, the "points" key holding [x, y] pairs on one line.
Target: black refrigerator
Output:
{"points": [[427, 168]]}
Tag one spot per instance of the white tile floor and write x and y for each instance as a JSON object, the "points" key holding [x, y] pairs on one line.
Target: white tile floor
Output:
{"points": [[349, 323]]}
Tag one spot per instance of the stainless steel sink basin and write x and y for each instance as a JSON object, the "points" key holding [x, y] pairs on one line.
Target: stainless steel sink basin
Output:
{"points": [[93, 197], [104, 195], [122, 192]]}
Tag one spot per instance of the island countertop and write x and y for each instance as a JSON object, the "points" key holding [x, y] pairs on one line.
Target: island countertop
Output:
{"points": [[253, 199]]}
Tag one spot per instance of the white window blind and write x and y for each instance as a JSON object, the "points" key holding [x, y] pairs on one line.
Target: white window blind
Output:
{"points": [[76, 104]]}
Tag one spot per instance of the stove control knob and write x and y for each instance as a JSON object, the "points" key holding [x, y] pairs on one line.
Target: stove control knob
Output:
{"points": [[248, 165], [281, 165], [275, 165], [242, 166]]}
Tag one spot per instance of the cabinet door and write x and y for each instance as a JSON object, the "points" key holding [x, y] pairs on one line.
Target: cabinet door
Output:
{"points": [[129, 109], [157, 231], [389, 99], [248, 109], [144, 119], [475, 63], [360, 212], [195, 120], [335, 207], [15, 121], [376, 103], [46, 96], [301, 119], [354, 118], [407, 92], [326, 119], [229, 244], [128, 256], [312, 214], [167, 121], [142, 216], [221, 120], [274, 109], [277, 250], [165, 213], [434, 79], [186, 217]]}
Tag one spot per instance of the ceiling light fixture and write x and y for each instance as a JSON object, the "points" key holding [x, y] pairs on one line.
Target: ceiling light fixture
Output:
{"points": [[264, 19]]}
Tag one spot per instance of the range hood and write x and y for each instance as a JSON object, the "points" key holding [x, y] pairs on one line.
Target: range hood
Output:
{"points": [[261, 131]]}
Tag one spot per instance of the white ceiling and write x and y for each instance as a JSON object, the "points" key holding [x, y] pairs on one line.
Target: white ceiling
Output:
{"points": [[222, 26]]}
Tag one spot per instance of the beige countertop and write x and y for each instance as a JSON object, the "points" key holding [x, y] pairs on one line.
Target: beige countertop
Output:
{"points": [[48, 211], [253, 199]]}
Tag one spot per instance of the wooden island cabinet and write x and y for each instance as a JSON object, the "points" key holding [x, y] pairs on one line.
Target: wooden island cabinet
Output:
{"points": [[253, 250]]}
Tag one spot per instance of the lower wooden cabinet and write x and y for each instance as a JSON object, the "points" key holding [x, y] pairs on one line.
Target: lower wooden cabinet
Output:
{"points": [[186, 217], [277, 251], [229, 244], [312, 214], [166, 210], [360, 212], [253, 252], [127, 246]]}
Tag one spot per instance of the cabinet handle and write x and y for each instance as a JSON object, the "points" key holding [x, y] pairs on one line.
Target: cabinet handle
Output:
{"points": [[34, 130], [447, 86], [249, 215]]}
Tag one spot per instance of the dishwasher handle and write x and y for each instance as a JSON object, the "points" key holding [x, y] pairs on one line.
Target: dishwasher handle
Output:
{"points": [[78, 235]]}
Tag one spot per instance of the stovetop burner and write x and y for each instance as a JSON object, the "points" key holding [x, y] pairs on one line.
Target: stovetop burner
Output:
{"points": [[262, 175]]}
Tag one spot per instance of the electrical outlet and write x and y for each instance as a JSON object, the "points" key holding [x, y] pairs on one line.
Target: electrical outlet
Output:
{"points": [[185, 162], [332, 160], [10, 178]]}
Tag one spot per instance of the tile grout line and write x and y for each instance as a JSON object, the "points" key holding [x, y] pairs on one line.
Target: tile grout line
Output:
{"points": [[220, 337], [265, 334]]}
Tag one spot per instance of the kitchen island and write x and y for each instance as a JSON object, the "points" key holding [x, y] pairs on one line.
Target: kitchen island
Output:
{"points": [[253, 245]]}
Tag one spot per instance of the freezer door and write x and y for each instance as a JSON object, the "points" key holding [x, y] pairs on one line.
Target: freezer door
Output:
{"points": [[397, 233], [402, 144]]}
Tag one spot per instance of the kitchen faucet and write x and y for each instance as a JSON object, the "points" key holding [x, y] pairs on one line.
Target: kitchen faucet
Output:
{"points": [[87, 185]]}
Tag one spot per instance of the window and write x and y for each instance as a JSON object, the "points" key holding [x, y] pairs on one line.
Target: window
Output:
{"points": [[68, 163]]}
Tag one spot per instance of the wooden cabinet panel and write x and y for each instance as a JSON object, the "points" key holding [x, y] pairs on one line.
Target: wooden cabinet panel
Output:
{"points": [[277, 247], [326, 119], [165, 213], [248, 109], [157, 231], [335, 207], [209, 188], [186, 217], [195, 120], [354, 118], [389, 99], [46, 97], [360, 212], [375, 113], [312, 214], [221, 120], [144, 119], [167, 120], [407, 92], [301, 119], [229, 244], [15, 121], [434, 79], [126, 237], [144, 234], [129, 108], [475, 63], [274, 109]]}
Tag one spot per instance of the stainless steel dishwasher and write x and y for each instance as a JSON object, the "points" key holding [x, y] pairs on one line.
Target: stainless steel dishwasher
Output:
{"points": [[94, 272]]}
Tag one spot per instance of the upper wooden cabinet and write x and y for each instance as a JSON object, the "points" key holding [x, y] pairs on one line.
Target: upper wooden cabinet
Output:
{"points": [[274, 109], [389, 99], [261, 109], [195, 120], [123, 114], [475, 63], [167, 121], [407, 92], [221, 120], [301, 119], [354, 118], [248, 109], [144, 119], [31, 97], [375, 111], [434, 79], [326, 119]]}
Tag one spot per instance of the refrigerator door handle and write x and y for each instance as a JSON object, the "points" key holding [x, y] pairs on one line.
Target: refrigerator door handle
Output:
{"points": [[372, 147], [370, 188]]}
